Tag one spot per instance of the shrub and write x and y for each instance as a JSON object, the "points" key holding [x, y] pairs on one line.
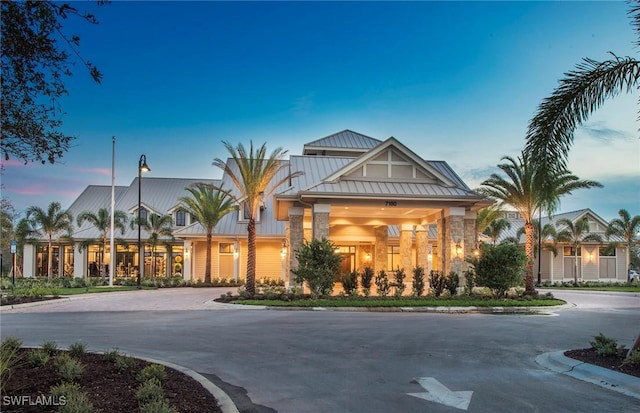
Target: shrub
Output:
{"points": [[75, 401], [318, 265], [350, 283], [112, 355], [633, 359], [451, 283], [37, 358], [417, 286], [69, 369], [148, 391], [157, 406], [499, 267], [437, 283], [50, 347], [77, 349], [399, 281], [470, 282], [604, 345], [124, 362], [8, 358], [152, 371], [365, 280], [382, 283]]}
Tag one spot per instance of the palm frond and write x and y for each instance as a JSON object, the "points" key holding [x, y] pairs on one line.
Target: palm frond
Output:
{"points": [[581, 91]]}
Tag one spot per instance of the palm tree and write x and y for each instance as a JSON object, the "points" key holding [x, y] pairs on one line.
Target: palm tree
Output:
{"points": [[486, 216], [209, 206], [521, 190], [49, 223], [548, 233], [627, 228], [256, 176], [495, 229], [581, 91], [156, 226], [102, 222], [575, 235]]}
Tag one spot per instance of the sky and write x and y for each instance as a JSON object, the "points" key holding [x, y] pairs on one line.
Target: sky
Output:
{"points": [[453, 81]]}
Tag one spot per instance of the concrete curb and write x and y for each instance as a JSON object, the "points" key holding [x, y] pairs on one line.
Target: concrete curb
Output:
{"points": [[608, 379], [34, 304], [224, 401]]}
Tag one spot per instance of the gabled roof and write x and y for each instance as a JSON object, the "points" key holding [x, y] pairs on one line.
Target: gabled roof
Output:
{"points": [[573, 216], [390, 143], [346, 140]]}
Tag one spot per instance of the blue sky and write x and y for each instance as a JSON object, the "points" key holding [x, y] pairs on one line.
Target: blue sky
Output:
{"points": [[454, 81]]}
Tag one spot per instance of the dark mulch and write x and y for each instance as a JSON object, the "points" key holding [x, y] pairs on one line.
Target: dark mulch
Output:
{"points": [[108, 389], [589, 355], [11, 300]]}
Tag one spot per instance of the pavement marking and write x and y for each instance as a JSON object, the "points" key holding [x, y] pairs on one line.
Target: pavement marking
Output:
{"points": [[439, 393]]}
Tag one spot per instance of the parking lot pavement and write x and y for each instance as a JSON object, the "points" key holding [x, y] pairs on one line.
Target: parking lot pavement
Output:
{"points": [[169, 299]]}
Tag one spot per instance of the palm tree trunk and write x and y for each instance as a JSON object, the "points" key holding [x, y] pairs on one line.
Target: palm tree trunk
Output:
{"points": [[49, 260], [575, 265], [207, 268], [251, 257], [528, 248]]}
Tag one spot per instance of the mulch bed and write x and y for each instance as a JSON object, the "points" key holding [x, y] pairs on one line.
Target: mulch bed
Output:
{"points": [[11, 300], [589, 355], [108, 389]]}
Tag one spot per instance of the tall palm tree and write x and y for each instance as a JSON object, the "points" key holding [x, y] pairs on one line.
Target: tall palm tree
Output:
{"points": [[156, 226], [521, 190], [209, 206], [576, 234], [50, 223], [581, 91], [627, 228], [102, 222], [256, 176], [495, 229]]}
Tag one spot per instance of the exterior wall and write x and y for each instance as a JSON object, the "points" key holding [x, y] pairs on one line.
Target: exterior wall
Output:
{"points": [[270, 262], [79, 261], [558, 266], [352, 233], [621, 264], [589, 261]]}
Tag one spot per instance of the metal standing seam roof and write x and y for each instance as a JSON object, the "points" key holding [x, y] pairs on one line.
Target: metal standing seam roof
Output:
{"points": [[573, 216], [397, 189], [158, 194], [346, 139]]}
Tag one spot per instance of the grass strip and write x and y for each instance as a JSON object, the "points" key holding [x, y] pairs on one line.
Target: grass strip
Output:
{"points": [[401, 302]]}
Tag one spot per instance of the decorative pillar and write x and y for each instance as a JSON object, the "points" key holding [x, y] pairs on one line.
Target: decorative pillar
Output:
{"points": [[406, 235], [321, 221], [79, 261], [188, 259], [422, 247], [455, 235], [296, 238], [29, 261], [380, 256]]}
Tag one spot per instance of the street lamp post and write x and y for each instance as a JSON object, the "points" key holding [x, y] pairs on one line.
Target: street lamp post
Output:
{"points": [[142, 167]]}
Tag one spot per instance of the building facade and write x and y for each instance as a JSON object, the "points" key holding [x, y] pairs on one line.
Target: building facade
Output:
{"points": [[381, 204]]}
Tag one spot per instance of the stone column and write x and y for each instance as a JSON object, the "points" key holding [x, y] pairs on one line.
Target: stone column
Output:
{"points": [[380, 256], [442, 249], [296, 238], [321, 221], [455, 234], [422, 247], [406, 236]]}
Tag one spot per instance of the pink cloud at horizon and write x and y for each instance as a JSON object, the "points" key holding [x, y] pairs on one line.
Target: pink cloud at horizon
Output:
{"points": [[97, 171]]}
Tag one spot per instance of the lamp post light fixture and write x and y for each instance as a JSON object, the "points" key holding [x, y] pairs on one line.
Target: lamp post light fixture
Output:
{"points": [[458, 249], [142, 167]]}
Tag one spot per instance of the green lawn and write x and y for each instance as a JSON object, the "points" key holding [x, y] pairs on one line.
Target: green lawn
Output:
{"points": [[403, 302], [101, 289]]}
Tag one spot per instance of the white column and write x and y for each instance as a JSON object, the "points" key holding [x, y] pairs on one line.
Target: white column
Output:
{"points": [[79, 261], [186, 268], [28, 260]]}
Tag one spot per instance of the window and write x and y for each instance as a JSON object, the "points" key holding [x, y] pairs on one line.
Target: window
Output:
{"points": [[348, 262], [393, 256], [607, 251], [181, 218], [226, 257], [570, 251], [144, 214], [243, 213]]}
